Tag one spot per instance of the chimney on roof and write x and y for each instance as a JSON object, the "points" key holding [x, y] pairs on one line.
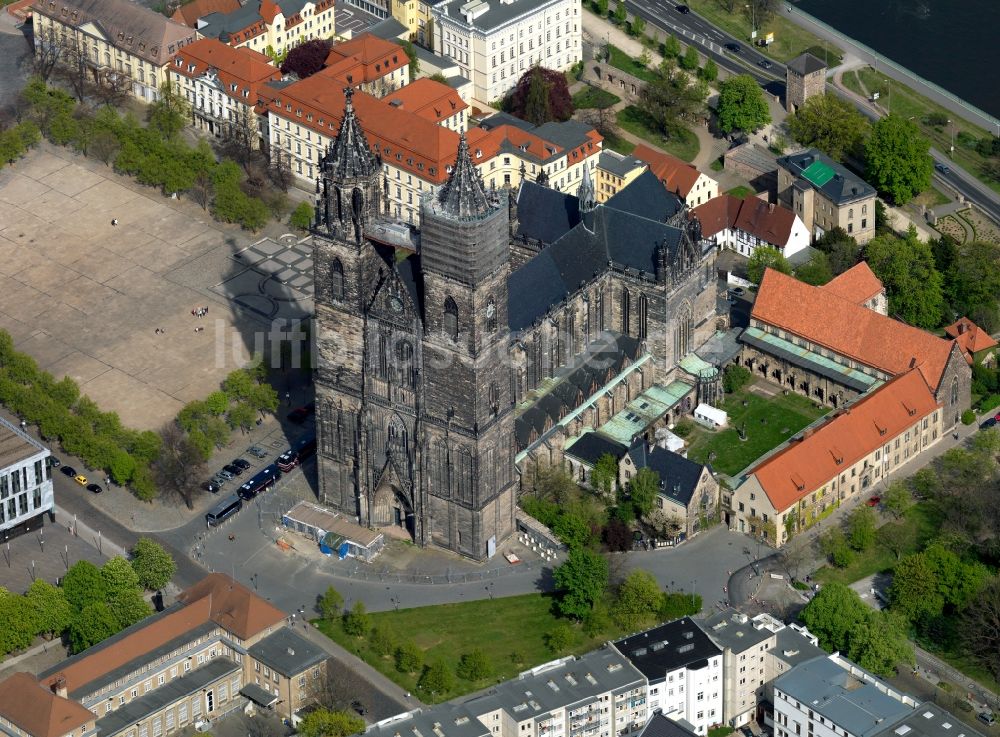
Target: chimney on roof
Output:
{"points": [[291, 651], [913, 361], [962, 328], [58, 687]]}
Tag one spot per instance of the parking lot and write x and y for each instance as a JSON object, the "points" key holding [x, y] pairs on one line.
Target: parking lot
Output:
{"points": [[350, 21]]}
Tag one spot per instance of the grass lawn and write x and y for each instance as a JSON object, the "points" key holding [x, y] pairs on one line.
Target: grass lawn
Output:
{"points": [[620, 60], [917, 527], [684, 145], [770, 421], [907, 103], [789, 39], [741, 191], [618, 144], [511, 630], [594, 97]]}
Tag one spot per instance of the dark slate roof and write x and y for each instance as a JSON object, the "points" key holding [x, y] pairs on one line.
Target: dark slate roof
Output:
{"points": [[545, 214], [806, 63], [646, 196], [501, 118], [843, 187], [464, 195], [661, 726], [497, 15], [605, 357], [615, 163], [670, 646], [390, 29], [350, 156], [678, 475], [591, 446], [287, 652], [567, 134]]}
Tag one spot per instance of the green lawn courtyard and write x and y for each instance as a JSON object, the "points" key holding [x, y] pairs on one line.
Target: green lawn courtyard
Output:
{"points": [[684, 144], [769, 421], [511, 630]]}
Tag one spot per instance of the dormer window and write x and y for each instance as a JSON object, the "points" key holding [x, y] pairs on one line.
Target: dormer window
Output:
{"points": [[180, 62]]}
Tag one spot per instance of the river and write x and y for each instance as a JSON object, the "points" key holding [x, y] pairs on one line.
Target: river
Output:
{"points": [[952, 43]]}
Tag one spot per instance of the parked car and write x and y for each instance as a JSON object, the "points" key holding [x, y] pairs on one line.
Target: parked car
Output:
{"points": [[241, 464], [219, 480], [301, 414], [54, 462], [226, 474], [257, 452], [95, 488], [986, 717], [873, 501], [990, 422], [942, 168], [234, 470], [80, 479], [211, 486], [68, 470]]}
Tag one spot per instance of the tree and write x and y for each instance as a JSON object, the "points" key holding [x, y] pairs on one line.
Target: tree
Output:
{"points": [[879, 644], [637, 26], [832, 614], [672, 100], [330, 604], [48, 52], [559, 638], [437, 678], [638, 599], [302, 216], [766, 257], [621, 13], [897, 498], [981, 626], [573, 530], [381, 641], [357, 622], [154, 565], [180, 464], [735, 377], [241, 415], [835, 548], [912, 283], [689, 62], [671, 47], [897, 159], [170, 112], [830, 124], [710, 72], [741, 105], [582, 578], [541, 95], [409, 658], [861, 526], [643, 490], [83, 585], [602, 119], [52, 611], [474, 665], [841, 249], [411, 53], [91, 625], [602, 8], [128, 607], [326, 723], [972, 282], [307, 58], [119, 576], [20, 623], [816, 271], [914, 593], [604, 477]]}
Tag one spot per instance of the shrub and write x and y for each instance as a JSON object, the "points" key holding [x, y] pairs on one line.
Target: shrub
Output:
{"points": [[474, 665], [409, 657], [301, 216], [559, 638], [735, 377], [968, 417]]}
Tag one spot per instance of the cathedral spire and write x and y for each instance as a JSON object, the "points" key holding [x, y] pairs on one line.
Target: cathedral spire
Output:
{"points": [[350, 157], [585, 192], [464, 195]]}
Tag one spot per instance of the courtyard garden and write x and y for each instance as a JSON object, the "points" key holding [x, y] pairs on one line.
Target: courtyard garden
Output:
{"points": [[769, 420]]}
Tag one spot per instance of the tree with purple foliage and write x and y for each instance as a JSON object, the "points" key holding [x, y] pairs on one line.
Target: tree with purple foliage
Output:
{"points": [[306, 59], [540, 85]]}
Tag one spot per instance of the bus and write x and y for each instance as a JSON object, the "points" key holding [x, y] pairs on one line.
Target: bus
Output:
{"points": [[300, 451], [261, 481], [224, 510]]}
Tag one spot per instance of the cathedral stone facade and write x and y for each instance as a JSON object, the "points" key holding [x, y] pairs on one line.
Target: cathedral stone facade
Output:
{"points": [[427, 360]]}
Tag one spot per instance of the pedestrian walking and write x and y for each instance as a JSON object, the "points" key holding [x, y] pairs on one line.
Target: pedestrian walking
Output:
{"points": [[114, 222]]}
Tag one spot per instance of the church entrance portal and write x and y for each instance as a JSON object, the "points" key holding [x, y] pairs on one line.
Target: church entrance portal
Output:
{"points": [[391, 512]]}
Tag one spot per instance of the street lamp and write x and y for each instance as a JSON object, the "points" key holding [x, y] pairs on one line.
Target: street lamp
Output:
{"points": [[489, 589], [952, 138], [753, 20]]}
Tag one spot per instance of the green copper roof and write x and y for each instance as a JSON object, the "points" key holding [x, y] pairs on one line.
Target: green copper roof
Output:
{"points": [[697, 366], [644, 410], [801, 356]]}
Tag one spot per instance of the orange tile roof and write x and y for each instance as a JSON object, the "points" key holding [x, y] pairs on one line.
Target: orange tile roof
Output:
{"points": [[858, 284], [677, 176], [37, 710], [20, 9], [244, 67], [233, 606], [364, 58], [429, 99], [190, 13], [852, 434], [970, 337], [268, 10], [769, 222], [848, 328], [104, 658]]}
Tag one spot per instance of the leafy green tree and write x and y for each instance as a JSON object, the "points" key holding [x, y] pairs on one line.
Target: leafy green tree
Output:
{"points": [[643, 490], [168, 115], [357, 622], [879, 644], [841, 249], [582, 578], [710, 72], [914, 593], [637, 26], [598, 620], [119, 576], [958, 580], [91, 625], [742, 105], [573, 530], [816, 271], [327, 723], [912, 283], [153, 565], [638, 599], [833, 613], [735, 377], [621, 13], [331, 604], [676, 604], [671, 47], [672, 100], [128, 607], [83, 584], [604, 477], [602, 8], [835, 547], [381, 641], [241, 415], [830, 124], [689, 62], [409, 657], [51, 610], [559, 638], [474, 665], [537, 109], [437, 678], [766, 257], [20, 622], [972, 282], [861, 526], [897, 498], [897, 158], [302, 216], [541, 95]]}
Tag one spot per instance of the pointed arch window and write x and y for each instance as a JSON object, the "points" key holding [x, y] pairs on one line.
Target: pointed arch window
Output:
{"points": [[626, 298], [451, 318], [491, 316], [643, 310], [337, 279]]}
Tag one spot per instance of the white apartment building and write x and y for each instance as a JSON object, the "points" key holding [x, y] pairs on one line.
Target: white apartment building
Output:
{"points": [[270, 26], [25, 482], [683, 668], [495, 41]]}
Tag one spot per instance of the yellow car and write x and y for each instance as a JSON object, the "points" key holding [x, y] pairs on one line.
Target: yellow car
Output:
{"points": [[81, 479]]}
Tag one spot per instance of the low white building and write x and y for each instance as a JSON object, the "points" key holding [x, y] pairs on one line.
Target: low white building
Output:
{"points": [[25, 482], [683, 668], [744, 225], [495, 41], [710, 416]]}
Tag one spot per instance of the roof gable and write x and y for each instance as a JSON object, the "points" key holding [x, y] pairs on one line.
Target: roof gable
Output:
{"points": [[676, 175], [37, 710], [858, 284], [233, 606]]}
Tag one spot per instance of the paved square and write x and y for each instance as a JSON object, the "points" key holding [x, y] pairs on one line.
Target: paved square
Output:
{"points": [[85, 298]]}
